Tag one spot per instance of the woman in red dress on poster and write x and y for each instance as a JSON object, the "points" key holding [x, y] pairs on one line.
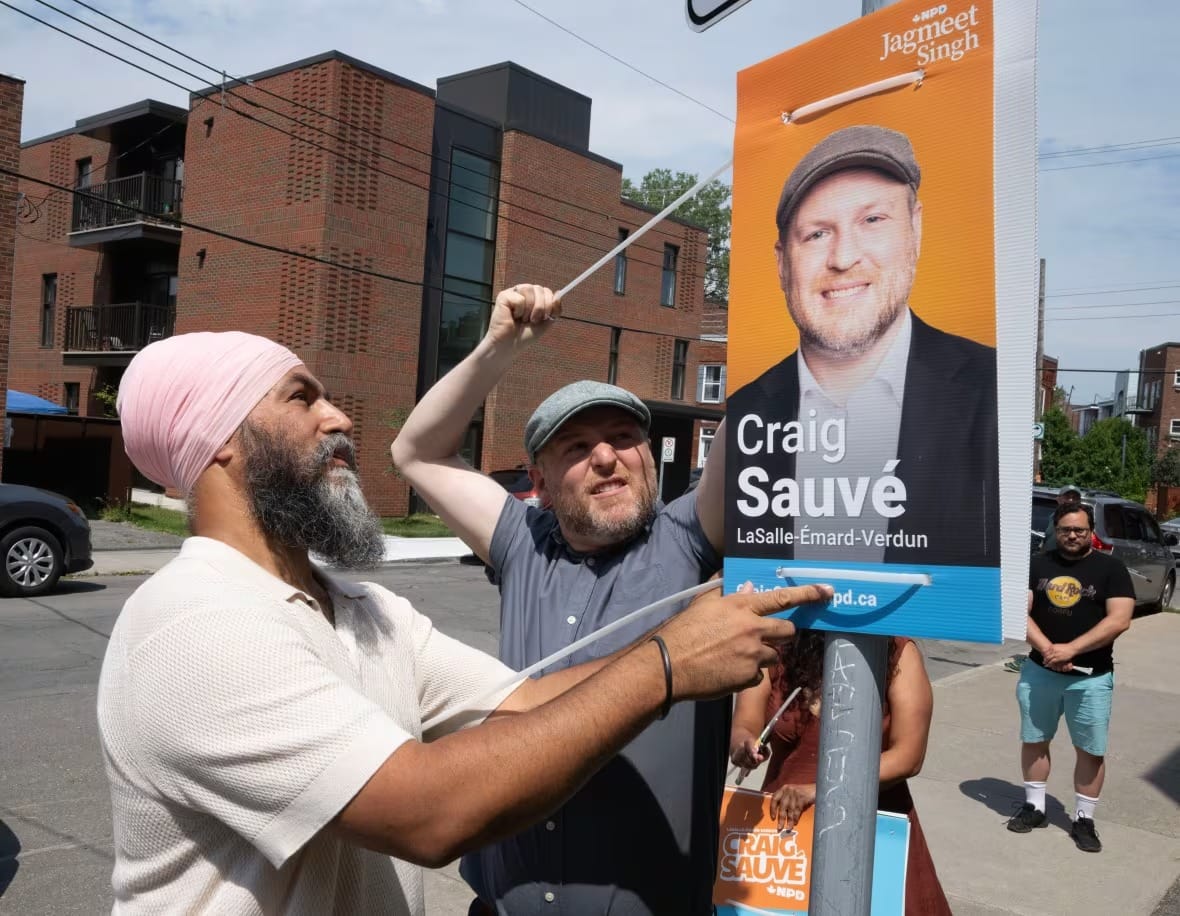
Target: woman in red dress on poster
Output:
{"points": [[794, 746]]}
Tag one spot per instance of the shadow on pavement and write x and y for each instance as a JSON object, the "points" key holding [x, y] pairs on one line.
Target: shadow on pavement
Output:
{"points": [[1005, 798], [77, 586], [9, 864], [1165, 775]]}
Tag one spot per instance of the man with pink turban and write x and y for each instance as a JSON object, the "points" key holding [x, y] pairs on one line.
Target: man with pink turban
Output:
{"points": [[261, 720]]}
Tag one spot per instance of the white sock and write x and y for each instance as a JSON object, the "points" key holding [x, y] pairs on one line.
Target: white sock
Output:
{"points": [[1086, 805], [1034, 794]]}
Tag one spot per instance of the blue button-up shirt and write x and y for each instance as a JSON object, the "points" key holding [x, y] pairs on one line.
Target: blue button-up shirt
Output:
{"points": [[641, 836]]}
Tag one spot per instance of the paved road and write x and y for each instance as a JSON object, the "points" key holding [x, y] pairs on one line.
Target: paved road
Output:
{"points": [[55, 831]]}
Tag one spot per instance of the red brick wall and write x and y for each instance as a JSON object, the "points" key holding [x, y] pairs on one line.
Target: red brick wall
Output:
{"points": [[536, 243], [358, 334], [11, 102], [42, 247]]}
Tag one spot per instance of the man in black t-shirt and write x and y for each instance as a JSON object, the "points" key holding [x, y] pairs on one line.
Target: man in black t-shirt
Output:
{"points": [[1079, 603]]}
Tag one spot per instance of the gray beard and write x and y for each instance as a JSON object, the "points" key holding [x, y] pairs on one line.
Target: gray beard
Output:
{"points": [[297, 503], [577, 519]]}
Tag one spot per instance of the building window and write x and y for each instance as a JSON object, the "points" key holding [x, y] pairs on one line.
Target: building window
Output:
{"points": [[679, 360], [470, 257], [621, 267], [71, 398], [612, 367], [1176, 379], [1174, 431], [711, 384], [48, 308], [704, 444], [668, 279], [82, 170]]}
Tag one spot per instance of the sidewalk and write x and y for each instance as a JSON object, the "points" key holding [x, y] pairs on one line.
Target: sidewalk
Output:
{"points": [[970, 785]]}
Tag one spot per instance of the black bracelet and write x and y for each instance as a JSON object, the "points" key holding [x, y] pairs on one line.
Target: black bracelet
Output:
{"points": [[667, 707]]}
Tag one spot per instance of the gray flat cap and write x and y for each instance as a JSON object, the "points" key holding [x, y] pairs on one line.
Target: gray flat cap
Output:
{"points": [[865, 146], [1069, 488], [556, 409]]}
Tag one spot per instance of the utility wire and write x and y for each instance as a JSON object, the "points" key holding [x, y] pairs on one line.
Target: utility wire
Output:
{"points": [[352, 125], [1083, 291], [206, 95], [303, 255], [1113, 305]]}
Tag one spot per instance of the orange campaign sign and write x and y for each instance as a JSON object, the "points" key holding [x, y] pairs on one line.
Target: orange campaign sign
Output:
{"points": [[761, 869], [882, 321]]}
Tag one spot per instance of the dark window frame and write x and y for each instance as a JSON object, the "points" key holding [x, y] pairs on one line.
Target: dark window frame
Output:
{"points": [[48, 310], [612, 366], [668, 276], [71, 397], [621, 265], [679, 369]]}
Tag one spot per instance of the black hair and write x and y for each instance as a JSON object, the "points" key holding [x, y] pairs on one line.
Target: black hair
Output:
{"points": [[1070, 507]]}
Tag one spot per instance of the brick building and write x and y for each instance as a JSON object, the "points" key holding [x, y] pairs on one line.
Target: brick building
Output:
{"points": [[1158, 399], [438, 198], [11, 102]]}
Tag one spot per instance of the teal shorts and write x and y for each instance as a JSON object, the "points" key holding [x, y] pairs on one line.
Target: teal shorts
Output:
{"points": [[1045, 695]]}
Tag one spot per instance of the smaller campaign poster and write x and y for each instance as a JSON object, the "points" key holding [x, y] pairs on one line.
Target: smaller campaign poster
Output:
{"points": [[762, 870], [882, 321]]}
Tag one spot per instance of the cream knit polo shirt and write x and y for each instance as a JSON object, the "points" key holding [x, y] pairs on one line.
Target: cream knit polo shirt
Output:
{"points": [[236, 722]]}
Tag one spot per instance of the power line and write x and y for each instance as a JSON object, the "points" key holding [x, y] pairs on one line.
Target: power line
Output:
{"points": [[1083, 291], [1116, 305], [1111, 148], [1119, 317], [303, 255], [353, 126], [648, 76], [430, 190], [1091, 165]]}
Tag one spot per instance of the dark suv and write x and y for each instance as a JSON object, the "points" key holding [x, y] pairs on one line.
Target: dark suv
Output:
{"points": [[42, 536], [1123, 529]]}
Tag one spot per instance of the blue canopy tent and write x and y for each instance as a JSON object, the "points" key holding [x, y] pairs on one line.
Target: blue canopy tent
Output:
{"points": [[20, 402]]}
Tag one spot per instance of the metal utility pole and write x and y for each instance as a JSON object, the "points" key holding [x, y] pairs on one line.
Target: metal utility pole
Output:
{"points": [[1040, 402], [849, 760]]}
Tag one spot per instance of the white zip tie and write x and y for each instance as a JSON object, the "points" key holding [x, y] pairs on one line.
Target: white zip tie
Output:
{"points": [[521, 676], [852, 95], [638, 233], [854, 575]]}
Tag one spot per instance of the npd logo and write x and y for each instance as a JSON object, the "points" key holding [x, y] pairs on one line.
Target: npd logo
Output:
{"points": [[1063, 591]]}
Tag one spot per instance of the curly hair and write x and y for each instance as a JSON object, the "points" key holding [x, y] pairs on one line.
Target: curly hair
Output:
{"points": [[802, 661]]}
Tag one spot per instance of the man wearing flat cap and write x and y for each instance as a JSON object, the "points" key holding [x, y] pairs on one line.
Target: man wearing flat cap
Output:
{"points": [[891, 396], [263, 721], [641, 837]]}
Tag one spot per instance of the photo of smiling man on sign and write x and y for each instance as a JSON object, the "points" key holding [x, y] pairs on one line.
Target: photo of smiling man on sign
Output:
{"points": [[880, 332]]}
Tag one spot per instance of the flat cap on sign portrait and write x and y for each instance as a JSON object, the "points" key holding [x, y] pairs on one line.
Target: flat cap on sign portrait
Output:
{"points": [[864, 146], [564, 403]]}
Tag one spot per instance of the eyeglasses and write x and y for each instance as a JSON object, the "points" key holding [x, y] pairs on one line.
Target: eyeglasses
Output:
{"points": [[1074, 532]]}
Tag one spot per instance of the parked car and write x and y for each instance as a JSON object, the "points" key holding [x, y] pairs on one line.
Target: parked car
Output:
{"points": [[517, 482], [1124, 529], [1172, 527], [42, 536]]}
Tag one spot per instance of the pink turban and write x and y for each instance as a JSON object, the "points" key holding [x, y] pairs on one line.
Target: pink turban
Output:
{"points": [[182, 398]]}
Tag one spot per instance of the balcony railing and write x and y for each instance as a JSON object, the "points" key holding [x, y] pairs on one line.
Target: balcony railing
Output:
{"points": [[135, 199], [122, 326]]}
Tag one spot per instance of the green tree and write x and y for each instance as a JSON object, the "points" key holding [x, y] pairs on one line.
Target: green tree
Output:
{"points": [[1165, 469], [1114, 455], [709, 209], [1058, 448]]}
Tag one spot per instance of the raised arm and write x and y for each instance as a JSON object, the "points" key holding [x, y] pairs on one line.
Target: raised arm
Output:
{"points": [[426, 451]]}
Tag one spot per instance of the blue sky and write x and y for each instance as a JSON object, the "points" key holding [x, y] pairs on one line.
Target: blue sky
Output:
{"points": [[1106, 75]]}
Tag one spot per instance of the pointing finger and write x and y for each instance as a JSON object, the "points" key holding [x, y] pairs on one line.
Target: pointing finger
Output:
{"points": [[781, 599]]}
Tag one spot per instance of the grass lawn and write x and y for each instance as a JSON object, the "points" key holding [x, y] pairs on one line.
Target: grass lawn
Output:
{"points": [[153, 518], [156, 518], [416, 526]]}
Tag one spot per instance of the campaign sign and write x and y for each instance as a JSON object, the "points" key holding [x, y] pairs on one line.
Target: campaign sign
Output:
{"points": [[762, 870], [881, 334]]}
